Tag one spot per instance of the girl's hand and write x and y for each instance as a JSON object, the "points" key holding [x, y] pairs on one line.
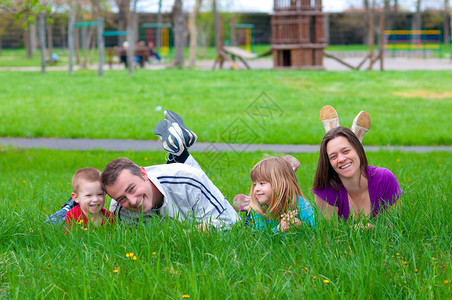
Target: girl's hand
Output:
{"points": [[289, 220]]}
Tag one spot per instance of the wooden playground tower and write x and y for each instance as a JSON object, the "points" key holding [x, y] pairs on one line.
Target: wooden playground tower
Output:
{"points": [[298, 35]]}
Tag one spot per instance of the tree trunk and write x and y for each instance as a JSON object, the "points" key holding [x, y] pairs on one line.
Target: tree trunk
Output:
{"points": [[130, 40], [366, 23], [417, 20], [446, 29], [158, 31], [42, 41], [217, 26], [123, 14], [193, 33], [33, 38], [77, 36], [50, 39], [178, 21], [27, 42]]}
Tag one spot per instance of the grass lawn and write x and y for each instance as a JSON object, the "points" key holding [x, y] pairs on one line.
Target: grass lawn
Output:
{"points": [[406, 255], [263, 106]]}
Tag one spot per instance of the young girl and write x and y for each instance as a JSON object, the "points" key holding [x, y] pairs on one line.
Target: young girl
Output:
{"points": [[277, 202]]}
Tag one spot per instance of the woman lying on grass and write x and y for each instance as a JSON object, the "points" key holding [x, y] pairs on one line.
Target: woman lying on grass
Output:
{"points": [[277, 202], [345, 185]]}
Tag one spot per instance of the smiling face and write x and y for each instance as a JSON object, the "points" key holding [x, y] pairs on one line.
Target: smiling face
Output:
{"points": [[263, 192], [91, 198], [343, 157], [134, 193]]}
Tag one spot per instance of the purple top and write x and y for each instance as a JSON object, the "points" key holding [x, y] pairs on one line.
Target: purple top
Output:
{"points": [[383, 187]]}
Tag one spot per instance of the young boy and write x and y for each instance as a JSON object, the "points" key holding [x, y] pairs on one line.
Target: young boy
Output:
{"points": [[88, 193]]}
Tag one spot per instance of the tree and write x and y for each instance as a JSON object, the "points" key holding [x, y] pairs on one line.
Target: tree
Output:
{"points": [[25, 12], [179, 33], [447, 21], [417, 20], [193, 33]]}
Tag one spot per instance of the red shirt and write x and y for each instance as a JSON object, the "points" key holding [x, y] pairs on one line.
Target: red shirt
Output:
{"points": [[76, 217]]}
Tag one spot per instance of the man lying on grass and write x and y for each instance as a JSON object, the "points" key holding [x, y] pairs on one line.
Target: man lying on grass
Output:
{"points": [[178, 189]]}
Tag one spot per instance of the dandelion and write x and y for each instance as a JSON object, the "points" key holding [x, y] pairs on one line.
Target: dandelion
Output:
{"points": [[131, 254], [315, 277], [433, 258], [306, 268], [134, 257], [326, 281], [416, 270], [23, 181], [185, 296], [397, 253], [127, 254], [404, 262], [115, 271], [153, 253], [86, 229], [48, 264], [446, 282]]}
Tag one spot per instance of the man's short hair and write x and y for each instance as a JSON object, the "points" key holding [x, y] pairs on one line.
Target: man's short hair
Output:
{"points": [[111, 172], [87, 174]]}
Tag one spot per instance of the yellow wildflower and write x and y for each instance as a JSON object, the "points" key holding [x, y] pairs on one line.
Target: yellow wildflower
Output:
{"points": [[185, 296], [115, 271], [127, 254], [134, 257], [326, 281], [446, 282], [153, 253]]}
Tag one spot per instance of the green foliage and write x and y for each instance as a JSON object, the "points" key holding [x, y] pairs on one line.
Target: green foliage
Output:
{"points": [[405, 255], [407, 108], [25, 12]]}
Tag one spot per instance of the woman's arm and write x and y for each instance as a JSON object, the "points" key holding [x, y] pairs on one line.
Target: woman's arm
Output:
{"points": [[325, 208]]}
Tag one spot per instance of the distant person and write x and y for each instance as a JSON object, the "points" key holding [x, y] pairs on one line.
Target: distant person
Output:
{"points": [[344, 184], [122, 53], [88, 193], [152, 52], [141, 54]]}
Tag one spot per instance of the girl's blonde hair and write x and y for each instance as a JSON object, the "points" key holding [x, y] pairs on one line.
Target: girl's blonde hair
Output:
{"points": [[279, 173]]}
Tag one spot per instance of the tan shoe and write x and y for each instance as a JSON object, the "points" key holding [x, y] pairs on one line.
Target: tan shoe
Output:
{"points": [[241, 202], [361, 125], [329, 118]]}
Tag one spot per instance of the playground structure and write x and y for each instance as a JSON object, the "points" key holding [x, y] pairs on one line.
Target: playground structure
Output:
{"points": [[298, 36], [150, 32], [244, 36], [416, 43]]}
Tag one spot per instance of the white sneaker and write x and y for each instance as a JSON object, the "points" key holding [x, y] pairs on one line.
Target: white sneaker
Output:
{"points": [[329, 118], [361, 125]]}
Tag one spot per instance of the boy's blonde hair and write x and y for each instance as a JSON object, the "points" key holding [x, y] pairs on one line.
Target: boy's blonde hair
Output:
{"points": [[87, 174], [279, 173]]}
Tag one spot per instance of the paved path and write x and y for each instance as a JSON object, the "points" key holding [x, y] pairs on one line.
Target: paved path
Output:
{"points": [[149, 145], [397, 63]]}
